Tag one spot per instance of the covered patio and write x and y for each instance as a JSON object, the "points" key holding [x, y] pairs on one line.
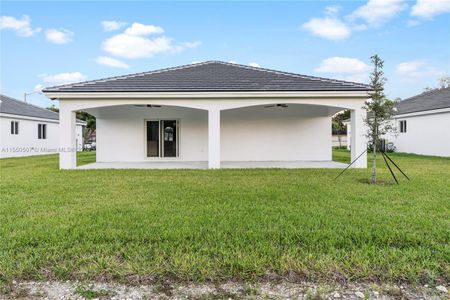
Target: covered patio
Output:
{"points": [[212, 115], [224, 165]]}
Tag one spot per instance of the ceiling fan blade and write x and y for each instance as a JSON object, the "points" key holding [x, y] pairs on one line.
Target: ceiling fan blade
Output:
{"points": [[147, 105], [276, 105]]}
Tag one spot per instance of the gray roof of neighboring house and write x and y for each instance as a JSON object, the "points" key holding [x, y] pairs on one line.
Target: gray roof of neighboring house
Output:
{"points": [[13, 106], [211, 76], [435, 99]]}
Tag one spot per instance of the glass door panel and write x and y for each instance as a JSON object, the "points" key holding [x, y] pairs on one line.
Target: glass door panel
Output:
{"points": [[152, 138], [169, 133]]}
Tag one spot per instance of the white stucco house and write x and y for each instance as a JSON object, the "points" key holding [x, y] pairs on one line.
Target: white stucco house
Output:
{"points": [[423, 124], [211, 114], [26, 129]]}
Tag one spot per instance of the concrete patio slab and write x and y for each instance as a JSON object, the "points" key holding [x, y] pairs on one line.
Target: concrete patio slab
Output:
{"points": [[224, 165]]}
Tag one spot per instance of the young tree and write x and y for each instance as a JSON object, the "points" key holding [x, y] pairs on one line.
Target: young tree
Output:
{"points": [[379, 111]]}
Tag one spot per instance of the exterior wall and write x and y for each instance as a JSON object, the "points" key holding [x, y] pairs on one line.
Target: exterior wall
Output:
{"points": [[427, 134], [276, 134], [247, 134], [26, 143], [121, 132]]}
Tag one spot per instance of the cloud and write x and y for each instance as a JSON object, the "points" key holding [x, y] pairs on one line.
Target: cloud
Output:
{"points": [[112, 25], [139, 29], [253, 64], [22, 27], [135, 43], [373, 13], [429, 8], [332, 10], [127, 46], [376, 12], [63, 78], [61, 36], [416, 69], [412, 23], [345, 68], [38, 87], [191, 44], [329, 28], [111, 62]]}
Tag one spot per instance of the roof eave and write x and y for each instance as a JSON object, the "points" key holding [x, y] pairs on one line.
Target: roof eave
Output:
{"points": [[207, 94]]}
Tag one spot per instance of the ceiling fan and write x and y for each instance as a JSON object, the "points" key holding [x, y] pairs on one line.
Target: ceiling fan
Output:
{"points": [[148, 105], [276, 105]]}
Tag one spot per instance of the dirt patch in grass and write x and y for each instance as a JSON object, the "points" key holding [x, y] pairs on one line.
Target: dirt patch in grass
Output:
{"points": [[227, 290]]}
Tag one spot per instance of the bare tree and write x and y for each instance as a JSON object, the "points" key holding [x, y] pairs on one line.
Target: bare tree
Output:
{"points": [[379, 110], [443, 82]]}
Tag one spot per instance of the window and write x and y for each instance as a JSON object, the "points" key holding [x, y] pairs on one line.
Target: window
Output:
{"points": [[14, 127], [42, 131], [403, 126]]}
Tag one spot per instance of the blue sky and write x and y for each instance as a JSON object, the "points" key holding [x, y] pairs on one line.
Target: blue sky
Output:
{"points": [[50, 43]]}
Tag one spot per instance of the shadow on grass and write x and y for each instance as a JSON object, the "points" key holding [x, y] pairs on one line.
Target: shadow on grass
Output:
{"points": [[379, 182]]}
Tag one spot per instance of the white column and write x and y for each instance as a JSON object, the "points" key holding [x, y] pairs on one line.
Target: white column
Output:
{"points": [[214, 139], [358, 141], [67, 137]]}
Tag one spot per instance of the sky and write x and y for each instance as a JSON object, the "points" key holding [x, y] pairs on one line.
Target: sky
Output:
{"points": [[57, 42]]}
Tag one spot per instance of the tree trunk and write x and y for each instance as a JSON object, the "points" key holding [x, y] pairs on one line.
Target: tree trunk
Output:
{"points": [[374, 158], [374, 165]]}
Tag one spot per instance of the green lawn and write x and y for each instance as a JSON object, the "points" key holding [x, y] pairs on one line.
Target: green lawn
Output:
{"points": [[195, 225]]}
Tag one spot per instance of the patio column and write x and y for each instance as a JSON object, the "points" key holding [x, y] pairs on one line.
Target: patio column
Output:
{"points": [[214, 139], [358, 138], [67, 138]]}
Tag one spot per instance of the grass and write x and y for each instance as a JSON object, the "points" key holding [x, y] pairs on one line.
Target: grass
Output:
{"points": [[91, 293], [196, 225]]}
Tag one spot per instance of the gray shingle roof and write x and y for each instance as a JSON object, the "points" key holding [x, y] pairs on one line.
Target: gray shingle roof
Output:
{"points": [[436, 99], [212, 76], [12, 106]]}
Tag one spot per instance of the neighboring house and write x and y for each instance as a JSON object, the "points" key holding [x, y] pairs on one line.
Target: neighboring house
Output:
{"points": [[348, 124], [27, 129], [423, 124], [343, 140], [213, 112]]}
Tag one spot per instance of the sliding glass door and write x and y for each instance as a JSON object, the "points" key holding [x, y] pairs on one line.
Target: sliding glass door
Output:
{"points": [[162, 138]]}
